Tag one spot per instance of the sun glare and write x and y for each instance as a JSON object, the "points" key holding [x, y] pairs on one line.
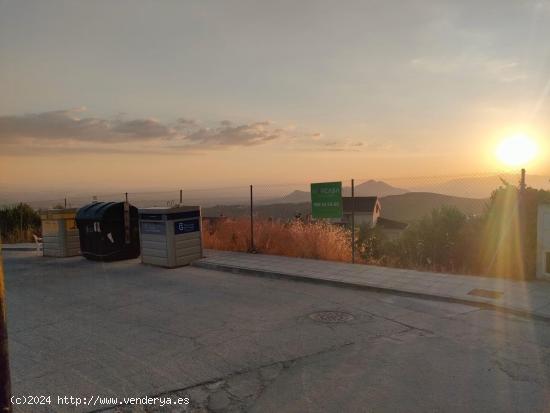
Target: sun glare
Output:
{"points": [[517, 150]]}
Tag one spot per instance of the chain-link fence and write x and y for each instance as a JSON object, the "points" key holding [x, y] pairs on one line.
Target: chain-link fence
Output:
{"points": [[280, 200], [404, 219]]}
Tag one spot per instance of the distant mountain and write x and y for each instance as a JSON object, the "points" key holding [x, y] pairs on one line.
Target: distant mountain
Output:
{"points": [[405, 207], [368, 188], [480, 186], [414, 205], [276, 211], [374, 188], [295, 197]]}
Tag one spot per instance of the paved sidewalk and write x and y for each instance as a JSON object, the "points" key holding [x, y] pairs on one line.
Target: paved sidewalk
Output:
{"points": [[527, 298], [22, 246]]}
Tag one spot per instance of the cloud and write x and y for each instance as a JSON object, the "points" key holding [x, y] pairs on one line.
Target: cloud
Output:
{"points": [[340, 145], [257, 133], [142, 129], [71, 130], [69, 126], [187, 122], [502, 70]]}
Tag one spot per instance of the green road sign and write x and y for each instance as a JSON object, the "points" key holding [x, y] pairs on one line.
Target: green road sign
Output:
{"points": [[326, 200]]}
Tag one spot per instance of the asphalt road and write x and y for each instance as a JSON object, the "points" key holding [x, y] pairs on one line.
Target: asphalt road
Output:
{"points": [[239, 343]]}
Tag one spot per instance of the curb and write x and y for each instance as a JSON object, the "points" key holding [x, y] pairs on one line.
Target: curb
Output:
{"points": [[19, 248], [356, 286]]}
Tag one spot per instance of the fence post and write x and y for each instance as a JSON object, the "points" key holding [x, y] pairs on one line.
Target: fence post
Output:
{"points": [[252, 248], [126, 220], [522, 222], [5, 390], [353, 221]]}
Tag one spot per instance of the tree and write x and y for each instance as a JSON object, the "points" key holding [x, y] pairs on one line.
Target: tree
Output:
{"points": [[501, 251], [432, 241], [370, 243], [17, 220]]}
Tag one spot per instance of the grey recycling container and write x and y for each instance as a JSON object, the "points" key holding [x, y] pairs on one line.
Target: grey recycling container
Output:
{"points": [[59, 233], [170, 237]]}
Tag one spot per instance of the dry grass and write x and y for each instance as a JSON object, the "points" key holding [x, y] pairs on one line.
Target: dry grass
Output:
{"points": [[295, 239], [18, 236]]}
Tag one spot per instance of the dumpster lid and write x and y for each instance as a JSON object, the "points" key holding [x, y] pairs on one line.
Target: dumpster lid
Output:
{"points": [[169, 210], [170, 213], [99, 210]]}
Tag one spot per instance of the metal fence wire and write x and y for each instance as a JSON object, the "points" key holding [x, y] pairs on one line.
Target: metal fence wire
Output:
{"points": [[284, 200], [276, 217]]}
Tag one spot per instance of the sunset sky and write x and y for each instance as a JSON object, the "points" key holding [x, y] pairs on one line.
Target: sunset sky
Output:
{"points": [[145, 94]]}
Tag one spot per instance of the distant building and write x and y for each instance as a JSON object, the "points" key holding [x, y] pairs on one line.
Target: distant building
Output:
{"points": [[368, 211], [392, 229]]}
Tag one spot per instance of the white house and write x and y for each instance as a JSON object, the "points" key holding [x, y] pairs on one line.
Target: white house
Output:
{"points": [[368, 211]]}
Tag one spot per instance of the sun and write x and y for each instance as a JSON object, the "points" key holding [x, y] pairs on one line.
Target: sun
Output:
{"points": [[517, 150]]}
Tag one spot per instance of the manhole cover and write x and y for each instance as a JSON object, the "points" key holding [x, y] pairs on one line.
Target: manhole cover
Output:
{"points": [[331, 317]]}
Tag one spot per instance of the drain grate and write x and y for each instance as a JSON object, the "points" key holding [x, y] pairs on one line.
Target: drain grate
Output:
{"points": [[331, 317], [480, 292]]}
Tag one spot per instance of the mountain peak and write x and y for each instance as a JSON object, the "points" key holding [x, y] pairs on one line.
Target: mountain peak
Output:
{"points": [[374, 188], [367, 188]]}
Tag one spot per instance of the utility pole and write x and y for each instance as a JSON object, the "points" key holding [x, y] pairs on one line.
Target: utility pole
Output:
{"points": [[353, 221], [127, 239], [21, 219], [5, 382], [181, 196], [522, 185], [252, 249], [522, 218]]}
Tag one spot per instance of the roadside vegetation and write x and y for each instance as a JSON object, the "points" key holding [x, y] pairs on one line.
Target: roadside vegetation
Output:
{"points": [[293, 238], [447, 240], [18, 223]]}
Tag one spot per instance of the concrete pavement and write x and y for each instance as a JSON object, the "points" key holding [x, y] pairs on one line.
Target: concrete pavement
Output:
{"points": [[235, 343], [525, 298], [22, 246]]}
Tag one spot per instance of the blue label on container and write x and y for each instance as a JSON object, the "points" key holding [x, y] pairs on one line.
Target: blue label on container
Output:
{"points": [[153, 228], [183, 227]]}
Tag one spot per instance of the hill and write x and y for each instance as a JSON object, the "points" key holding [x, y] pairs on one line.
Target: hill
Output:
{"points": [[480, 186], [414, 205], [275, 211], [374, 188], [405, 207], [296, 197], [368, 188]]}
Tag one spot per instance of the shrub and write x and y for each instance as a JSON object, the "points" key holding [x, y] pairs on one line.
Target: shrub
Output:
{"points": [[500, 250], [446, 240], [18, 223], [294, 239]]}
